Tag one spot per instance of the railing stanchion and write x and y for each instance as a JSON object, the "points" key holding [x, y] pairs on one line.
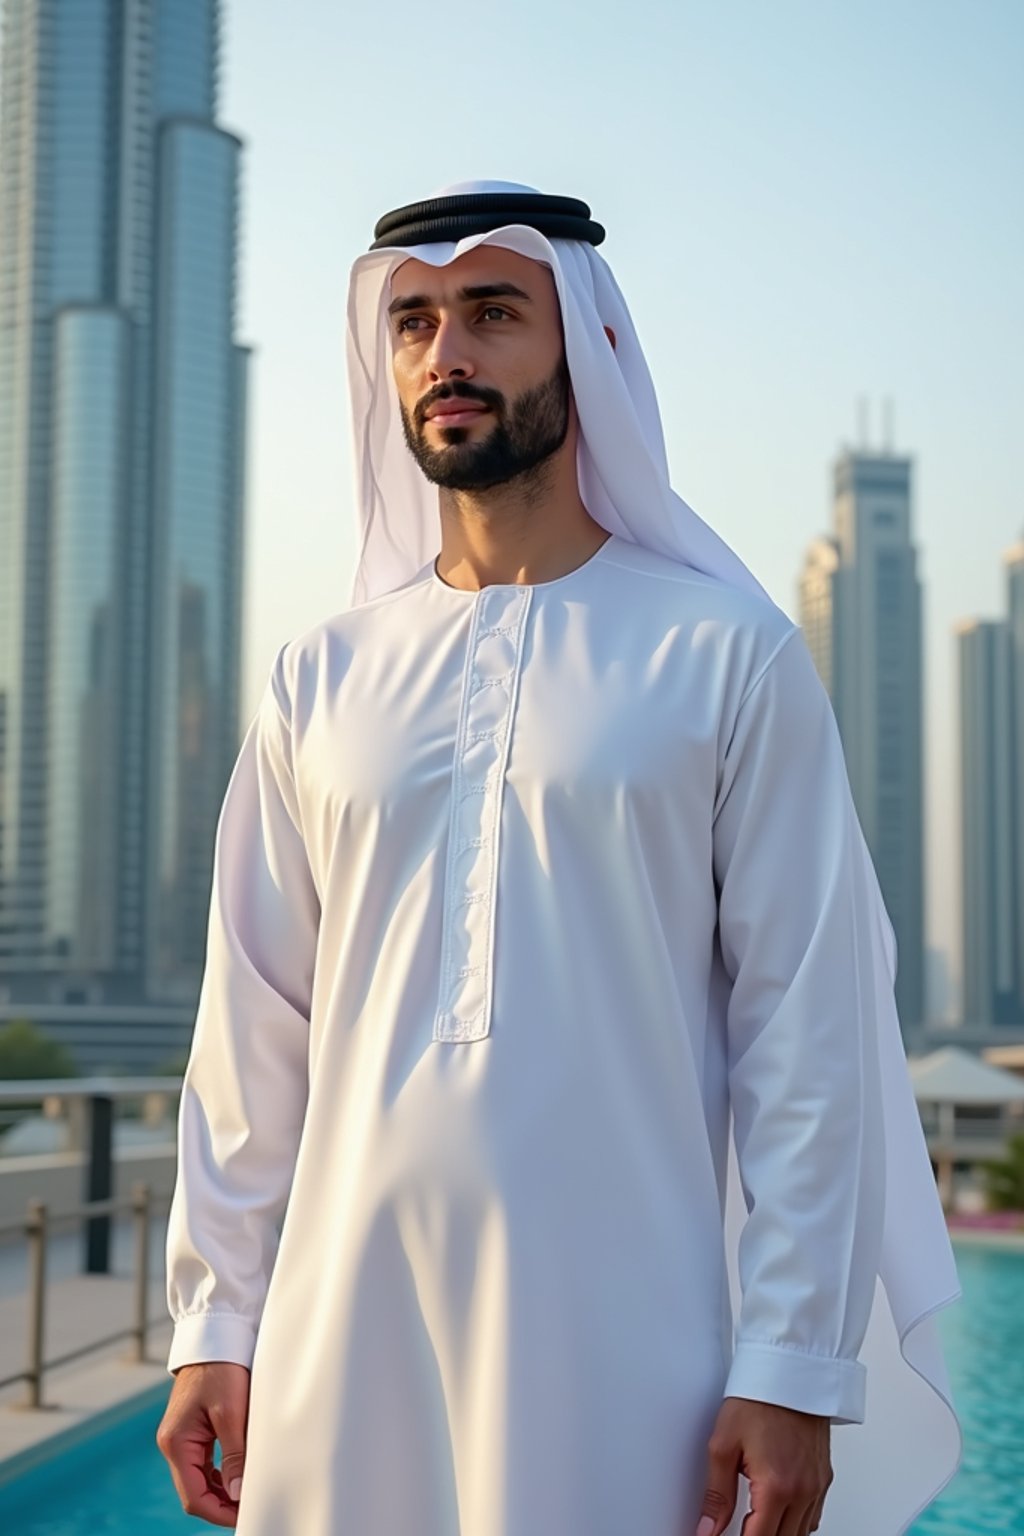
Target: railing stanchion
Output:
{"points": [[99, 1182], [141, 1204], [35, 1230]]}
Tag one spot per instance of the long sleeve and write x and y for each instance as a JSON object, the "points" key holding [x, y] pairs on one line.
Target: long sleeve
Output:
{"points": [[245, 1089], [802, 1049]]}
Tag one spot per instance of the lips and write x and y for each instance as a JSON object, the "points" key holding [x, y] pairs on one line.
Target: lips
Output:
{"points": [[454, 411]]}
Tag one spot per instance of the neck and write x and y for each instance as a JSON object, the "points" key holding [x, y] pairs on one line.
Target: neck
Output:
{"points": [[534, 528]]}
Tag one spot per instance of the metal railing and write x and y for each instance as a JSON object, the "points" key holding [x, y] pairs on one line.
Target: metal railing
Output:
{"points": [[36, 1226], [91, 1102]]}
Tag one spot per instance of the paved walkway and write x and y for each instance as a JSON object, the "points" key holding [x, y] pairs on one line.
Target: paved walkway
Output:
{"points": [[79, 1308]]}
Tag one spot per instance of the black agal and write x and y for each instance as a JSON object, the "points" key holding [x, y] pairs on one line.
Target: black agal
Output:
{"points": [[476, 213]]}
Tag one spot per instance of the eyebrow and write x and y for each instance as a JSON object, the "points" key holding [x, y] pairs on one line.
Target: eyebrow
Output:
{"points": [[464, 295]]}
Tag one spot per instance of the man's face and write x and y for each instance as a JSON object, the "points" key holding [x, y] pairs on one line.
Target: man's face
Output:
{"points": [[479, 363]]}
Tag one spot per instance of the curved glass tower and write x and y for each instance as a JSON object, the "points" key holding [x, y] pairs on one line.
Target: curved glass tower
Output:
{"points": [[122, 448]]}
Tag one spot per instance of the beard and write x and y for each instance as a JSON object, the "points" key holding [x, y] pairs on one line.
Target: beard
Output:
{"points": [[526, 434]]}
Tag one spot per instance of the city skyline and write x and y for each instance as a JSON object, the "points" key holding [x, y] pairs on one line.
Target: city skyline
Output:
{"points": [[797, 222], [783, 280], [122, 480]]}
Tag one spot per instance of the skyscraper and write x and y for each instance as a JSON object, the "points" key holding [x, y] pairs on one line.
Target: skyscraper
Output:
{"points": [[991, 678], [1013, 560], [817, 607], [860, 608], [986, 820], [122, 436]]}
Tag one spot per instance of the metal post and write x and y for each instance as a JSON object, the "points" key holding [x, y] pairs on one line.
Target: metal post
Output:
{"points": [[35, 1231], [140, 1204], [947, 1137], [99, 1183], [78, 1123]]}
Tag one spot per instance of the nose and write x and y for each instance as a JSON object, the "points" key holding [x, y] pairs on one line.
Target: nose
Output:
{"points": [[449, 355]]}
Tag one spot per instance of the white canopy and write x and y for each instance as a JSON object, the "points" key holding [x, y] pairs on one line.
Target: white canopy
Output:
{"points": [[955, 1076]]}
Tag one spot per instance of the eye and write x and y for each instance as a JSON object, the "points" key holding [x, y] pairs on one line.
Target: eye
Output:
{"points": [[406, 321], [494, 309]]}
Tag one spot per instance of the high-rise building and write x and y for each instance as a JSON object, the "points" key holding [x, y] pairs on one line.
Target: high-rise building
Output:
{"points": [[122, 436], [817, 606], [938, 987], [986, 820], [991, 676], [1013, 560], [860, 609]]}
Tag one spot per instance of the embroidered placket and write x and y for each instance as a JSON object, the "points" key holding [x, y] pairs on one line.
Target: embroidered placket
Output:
{"points": [[489, 690]]}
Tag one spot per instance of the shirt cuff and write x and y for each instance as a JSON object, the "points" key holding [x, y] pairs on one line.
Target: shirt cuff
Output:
{"points": [[200, 1336], [777, 1373]]}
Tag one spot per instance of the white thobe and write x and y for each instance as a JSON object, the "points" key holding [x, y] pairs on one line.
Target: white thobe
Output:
{"points": [[517, 893]]}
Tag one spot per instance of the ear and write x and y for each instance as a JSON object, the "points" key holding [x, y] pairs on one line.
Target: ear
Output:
{"points": [[610, 334]]}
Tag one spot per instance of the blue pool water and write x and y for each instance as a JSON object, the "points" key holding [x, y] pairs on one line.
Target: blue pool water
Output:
{"points": [[117, 1483], [983, 1337], [114, 1484]]}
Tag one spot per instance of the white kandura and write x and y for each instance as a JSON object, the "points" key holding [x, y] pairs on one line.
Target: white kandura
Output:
{"points": [[544, 944]]}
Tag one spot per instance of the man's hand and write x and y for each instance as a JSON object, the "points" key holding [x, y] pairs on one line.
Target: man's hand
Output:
{"points": [[208, 1402], [785, 1457]]}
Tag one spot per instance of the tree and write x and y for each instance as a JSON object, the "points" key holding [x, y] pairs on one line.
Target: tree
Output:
{"points": [[1004, 1180], [28, 1052]]}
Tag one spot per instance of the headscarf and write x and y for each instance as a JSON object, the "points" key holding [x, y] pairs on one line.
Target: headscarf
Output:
{"points": [[910, 1444]]}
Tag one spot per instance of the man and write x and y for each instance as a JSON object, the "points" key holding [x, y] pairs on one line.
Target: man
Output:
{"points": [[537, 864]]}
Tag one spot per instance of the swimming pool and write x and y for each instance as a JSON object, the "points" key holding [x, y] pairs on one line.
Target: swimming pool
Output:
{"points": [[116, 1482], [984, 1342], [112, 1483]]}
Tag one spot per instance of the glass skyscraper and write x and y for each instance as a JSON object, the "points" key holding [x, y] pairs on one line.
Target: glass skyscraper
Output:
{"points": [[991, 677], [122, 450], [1013, 560], [986, 822], [860, 610]]}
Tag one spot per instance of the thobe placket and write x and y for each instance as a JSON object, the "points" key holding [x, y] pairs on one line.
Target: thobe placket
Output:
{"points": [[489, 690]]}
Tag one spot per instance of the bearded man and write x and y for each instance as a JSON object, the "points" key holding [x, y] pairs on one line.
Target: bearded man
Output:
{"points": [[543, 939]]}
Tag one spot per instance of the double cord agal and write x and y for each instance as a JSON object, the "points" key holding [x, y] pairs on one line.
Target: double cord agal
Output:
{"points": [[477, 213]]}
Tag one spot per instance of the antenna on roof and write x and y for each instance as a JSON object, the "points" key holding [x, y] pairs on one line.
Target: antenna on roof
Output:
{"points": [[862, 422], [888, 424]]}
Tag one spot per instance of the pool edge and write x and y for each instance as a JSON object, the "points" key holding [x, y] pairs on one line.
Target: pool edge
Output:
{"points": [[33, 1456]]}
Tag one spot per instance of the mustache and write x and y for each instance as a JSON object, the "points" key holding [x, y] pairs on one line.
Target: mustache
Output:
{"points": [[492, 398]]}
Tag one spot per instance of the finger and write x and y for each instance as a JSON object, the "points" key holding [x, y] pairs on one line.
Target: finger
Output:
{"points": [[230, 1424], [216, 1478], [817, 1510], [795, 1521], [189, 1471], [768, 1508], [720, 1488], [794, 1518]]}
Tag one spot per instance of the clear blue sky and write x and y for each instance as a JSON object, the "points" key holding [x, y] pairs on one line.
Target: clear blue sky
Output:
{"points": [[807, 202]]}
